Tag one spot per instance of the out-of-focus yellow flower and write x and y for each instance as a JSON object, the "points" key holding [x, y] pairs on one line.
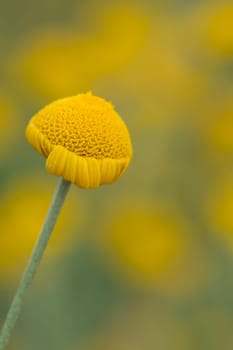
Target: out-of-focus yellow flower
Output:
{"points": [[209, 29], [83, 138], [58, 62], [218, 130], [8, 125], [53, 62], [123, 32], [219, 207], [162, 80], [23, 207], [218, 28], [155, 247], [147, 241]]}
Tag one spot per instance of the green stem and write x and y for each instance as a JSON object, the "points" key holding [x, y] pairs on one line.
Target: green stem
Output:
{"points": [[34, 261]]}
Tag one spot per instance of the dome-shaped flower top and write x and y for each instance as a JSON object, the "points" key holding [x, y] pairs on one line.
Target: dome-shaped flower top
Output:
{"points": [[83, 138]]}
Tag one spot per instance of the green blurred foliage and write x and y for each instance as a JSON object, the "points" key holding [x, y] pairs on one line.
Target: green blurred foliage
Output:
{"points": [[146, 263]]}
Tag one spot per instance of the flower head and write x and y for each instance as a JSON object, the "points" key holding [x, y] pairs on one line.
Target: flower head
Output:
{"points": [[84, 140]]}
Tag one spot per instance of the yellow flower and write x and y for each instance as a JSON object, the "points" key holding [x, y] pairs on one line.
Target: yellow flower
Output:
{"points": [[154, 241], [147, 240], [22, 209], [84, 140], [218, 29], [57, 62], [154, 246], [209, 29], [219, 129], [169, 86]]}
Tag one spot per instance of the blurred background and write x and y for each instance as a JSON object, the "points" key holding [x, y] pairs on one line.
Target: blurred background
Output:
{"points": [[146, 263]]}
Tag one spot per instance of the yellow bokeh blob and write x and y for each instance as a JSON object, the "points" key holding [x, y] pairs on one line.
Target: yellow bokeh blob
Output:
{"points": [[61, 61], [218, 29], [218, 130], [209, 29], [148, 243], [153, 245], [164, 83], [22, 211]]}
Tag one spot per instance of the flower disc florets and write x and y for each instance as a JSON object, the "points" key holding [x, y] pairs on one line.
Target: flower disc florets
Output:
{"points": [[83, 138]]}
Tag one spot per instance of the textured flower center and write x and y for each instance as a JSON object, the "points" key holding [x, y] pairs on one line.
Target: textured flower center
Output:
{"points": [[86, 125]]}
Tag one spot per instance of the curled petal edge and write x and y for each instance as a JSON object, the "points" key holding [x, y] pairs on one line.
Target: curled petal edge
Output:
{"points": [[85, 172]]}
